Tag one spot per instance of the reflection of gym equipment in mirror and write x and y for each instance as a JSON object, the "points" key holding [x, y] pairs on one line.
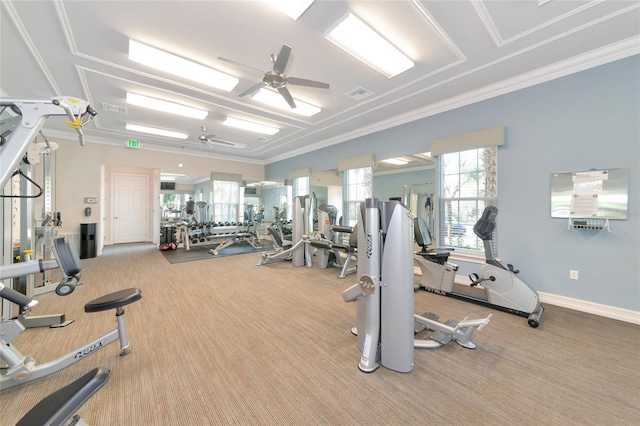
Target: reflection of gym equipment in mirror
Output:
{"points": [[502, 289], [384, 295], [300, 253], [328, 249], [321, 244]]}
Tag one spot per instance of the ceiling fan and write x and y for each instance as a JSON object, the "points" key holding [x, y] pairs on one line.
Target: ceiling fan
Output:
{"points": [[275, 78], [211, 141]]}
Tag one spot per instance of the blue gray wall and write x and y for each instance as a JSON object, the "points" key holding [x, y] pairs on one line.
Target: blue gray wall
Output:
{"points": [[587, 120]]}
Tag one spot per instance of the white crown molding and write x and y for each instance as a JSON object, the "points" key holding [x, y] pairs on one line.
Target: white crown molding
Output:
{"points": [[494, 33], [594, 58], [51, 134]]}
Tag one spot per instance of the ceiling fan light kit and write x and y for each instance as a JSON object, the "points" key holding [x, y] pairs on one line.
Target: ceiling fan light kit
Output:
{"points": [[275, 77]]}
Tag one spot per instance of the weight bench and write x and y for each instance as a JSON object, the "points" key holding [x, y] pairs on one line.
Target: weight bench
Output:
{"points": [[277, 240], [235, 238], [60, 406]]}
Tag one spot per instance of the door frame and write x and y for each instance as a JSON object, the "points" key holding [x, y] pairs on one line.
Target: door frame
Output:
{"points": [[153, 196]]}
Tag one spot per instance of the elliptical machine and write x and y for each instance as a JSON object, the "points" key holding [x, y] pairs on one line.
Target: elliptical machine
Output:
{"points": [[503, 289]]}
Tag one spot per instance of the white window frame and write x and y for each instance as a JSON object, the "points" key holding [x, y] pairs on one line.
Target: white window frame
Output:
{"points": [[467, 183], [226, 201], [301, 185], [357, 187]]}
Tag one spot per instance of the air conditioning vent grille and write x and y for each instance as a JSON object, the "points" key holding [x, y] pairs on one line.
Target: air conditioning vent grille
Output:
{"points": [[359, 93], [114, 108]]}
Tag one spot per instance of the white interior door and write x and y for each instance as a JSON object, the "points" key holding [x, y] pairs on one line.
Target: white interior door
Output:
{"points": [[130, 208]]}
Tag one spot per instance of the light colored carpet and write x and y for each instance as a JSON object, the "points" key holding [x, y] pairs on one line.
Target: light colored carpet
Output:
{"points": [[224, 341]]}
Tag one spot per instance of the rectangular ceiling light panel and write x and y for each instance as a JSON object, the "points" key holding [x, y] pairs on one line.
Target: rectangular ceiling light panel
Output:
{"points": [[156, 131], [250, 126], [292, 8], [395, 161], [165, 106], [274, 99], [176, 65], [358, 39]]}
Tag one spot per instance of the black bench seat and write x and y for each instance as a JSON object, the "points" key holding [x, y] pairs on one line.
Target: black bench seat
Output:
{"points": [[114, 300], [58, 407]]}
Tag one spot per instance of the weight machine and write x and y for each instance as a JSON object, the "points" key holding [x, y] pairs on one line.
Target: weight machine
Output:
{"points": [[386, 324], [300, 253], [18, 132], [21, 368], [328, 250]]}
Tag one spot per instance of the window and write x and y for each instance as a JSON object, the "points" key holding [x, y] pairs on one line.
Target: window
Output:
{"points": [[226, 198], [357, 185], [301, 185], [467, 183]]}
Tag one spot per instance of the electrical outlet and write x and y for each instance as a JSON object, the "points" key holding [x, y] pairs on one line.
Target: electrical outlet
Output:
{"points": [[573, 274]]}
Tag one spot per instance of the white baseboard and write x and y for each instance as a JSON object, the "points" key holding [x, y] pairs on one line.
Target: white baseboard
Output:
{"points": [[607, 311], [621, 314]]}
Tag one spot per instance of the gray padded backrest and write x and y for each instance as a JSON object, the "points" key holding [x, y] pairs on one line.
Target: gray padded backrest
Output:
{"points": [[486, 224], [67, 258], [421, 232], [275, 236], [353, 238]]}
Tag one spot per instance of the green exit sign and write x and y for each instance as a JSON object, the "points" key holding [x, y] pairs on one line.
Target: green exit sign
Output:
{"points": [[133, 143]]}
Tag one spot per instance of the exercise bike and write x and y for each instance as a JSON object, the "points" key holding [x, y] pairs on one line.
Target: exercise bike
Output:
{"points": [[21, 369], [503, 290]]}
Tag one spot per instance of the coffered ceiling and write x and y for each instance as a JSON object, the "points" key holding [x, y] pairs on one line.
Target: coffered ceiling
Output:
{"points": [[463, 52]]}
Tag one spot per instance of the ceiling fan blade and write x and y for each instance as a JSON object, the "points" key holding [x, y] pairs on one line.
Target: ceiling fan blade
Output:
{"points": [[212, 143], [304, 82], [253, 89], [287, 96], [243, 66], [281, 61]]}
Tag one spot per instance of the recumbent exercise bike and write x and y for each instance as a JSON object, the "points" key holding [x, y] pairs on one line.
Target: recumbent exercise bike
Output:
{"points": [[503, 289]]}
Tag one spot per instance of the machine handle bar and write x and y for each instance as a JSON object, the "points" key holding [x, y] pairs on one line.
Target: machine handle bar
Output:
{"points": [[17, 297]]}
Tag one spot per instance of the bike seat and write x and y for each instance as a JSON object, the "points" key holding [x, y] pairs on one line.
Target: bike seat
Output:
{"points": [[58, 407], [114, 300]]}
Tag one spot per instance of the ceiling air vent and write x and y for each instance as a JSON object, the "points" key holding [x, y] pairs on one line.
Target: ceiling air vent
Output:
{"points": [[262, 139], [359, 94], [114, 108]]}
